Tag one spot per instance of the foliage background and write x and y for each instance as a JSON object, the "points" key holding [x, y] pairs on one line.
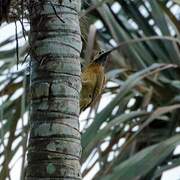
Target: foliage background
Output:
{"points": [[132, 130]]}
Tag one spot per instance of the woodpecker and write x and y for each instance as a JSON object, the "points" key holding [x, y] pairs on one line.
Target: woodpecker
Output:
{"points": [[93, 80]]}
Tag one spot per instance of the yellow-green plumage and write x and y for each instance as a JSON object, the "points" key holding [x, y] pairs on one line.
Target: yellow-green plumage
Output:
{"points": [[93, 79]]}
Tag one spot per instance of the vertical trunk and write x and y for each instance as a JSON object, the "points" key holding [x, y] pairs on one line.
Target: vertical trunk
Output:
{"points": [[54, 147]]}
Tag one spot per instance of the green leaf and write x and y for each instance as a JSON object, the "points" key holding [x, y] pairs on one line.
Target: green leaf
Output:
{"points": [[143, 162], [101, 134], [125, 89]]}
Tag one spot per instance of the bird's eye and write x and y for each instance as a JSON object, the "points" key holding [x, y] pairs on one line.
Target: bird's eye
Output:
{"points": [[90, 96]]}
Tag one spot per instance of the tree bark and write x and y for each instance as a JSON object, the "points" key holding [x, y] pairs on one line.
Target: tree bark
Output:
{"points": [[54, 147]]}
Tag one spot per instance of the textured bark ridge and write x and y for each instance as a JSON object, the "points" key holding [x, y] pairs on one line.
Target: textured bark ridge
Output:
{"points": [[54, 147]]}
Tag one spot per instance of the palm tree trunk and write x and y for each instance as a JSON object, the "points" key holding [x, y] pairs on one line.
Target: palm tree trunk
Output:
{"points": [[54, 147]]}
